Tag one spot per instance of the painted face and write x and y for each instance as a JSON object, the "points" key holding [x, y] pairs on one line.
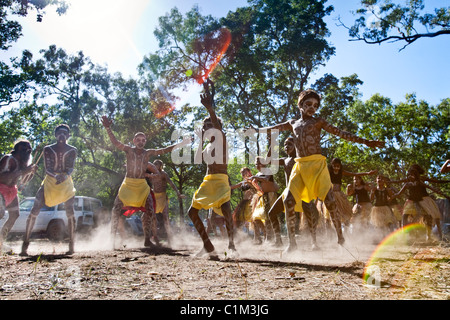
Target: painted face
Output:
{"points": [[24, 150], [62, 135], [411, 176], [246, 174], [336, 167], [140, 141], [310, 106], [289, 147], [380, 181]]}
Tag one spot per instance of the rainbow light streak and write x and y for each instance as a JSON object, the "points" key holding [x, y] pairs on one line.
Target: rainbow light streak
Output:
{"points": [[164, 109], [397, 237]]}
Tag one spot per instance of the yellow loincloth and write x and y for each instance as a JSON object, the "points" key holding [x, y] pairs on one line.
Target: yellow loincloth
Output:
{"points": [[310, 179], [55, 194], [134, 192], [259, 207], [213, 193], [161, 201]]}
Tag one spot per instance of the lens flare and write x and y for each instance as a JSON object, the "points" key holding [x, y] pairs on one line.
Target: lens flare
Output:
{"points": [[406, 267], [398, 237], [222, 40], [165, 107], [225, 36]]}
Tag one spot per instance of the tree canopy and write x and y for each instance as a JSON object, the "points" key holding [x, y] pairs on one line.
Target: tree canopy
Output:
{"points": [[259, 57], [388, 21]]}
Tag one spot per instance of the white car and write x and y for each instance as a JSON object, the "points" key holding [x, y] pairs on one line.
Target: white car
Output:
{"points": [[53, 221]]}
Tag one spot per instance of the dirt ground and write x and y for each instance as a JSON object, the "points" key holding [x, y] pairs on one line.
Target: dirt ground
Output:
{"points": [[398, 270]]}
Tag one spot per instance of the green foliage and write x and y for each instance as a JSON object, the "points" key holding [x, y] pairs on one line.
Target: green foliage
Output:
{"points": [[275, 45], [381, 21], [10, 31]]}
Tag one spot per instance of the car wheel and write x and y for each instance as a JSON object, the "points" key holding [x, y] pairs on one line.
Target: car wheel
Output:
{"points": [[55, 231]]}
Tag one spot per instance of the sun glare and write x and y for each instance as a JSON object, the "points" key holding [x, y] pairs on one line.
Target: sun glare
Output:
{"points": [[102, 29]]}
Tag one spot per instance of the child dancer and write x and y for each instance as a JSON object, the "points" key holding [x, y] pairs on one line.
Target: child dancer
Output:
{"points": [[419, 204], [361, 210], [381, 216], [344, 207]]}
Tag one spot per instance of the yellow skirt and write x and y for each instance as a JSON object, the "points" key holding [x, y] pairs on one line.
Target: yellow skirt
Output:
{"points": [[55, 194], [309, 180], [161, 201], [134, 192], [213, 193], [259, 212]]}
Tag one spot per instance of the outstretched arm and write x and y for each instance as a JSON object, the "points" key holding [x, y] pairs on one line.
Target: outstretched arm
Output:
{"points": [[446, 167], [396, 195], [285, 126], [432, 180], [157, 152], [347, 173], [436, 190], [350, 136], [174, 187]]}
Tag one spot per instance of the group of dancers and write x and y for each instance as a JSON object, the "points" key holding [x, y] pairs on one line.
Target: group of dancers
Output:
{"points": [[313, 188]]}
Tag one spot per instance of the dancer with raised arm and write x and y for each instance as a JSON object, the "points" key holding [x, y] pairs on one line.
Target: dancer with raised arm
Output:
{"points": [[135, 191], [214, 191]]}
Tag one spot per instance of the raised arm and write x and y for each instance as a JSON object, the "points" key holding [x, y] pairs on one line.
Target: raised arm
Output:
{"points": [[107, 124], [396, 195], [207, 100]]}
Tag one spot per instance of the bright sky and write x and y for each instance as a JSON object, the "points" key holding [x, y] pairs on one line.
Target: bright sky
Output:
{"points": [[118, 33]]}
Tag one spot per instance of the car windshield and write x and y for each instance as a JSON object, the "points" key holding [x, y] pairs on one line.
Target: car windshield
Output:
{"points": [[27, 204]]}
